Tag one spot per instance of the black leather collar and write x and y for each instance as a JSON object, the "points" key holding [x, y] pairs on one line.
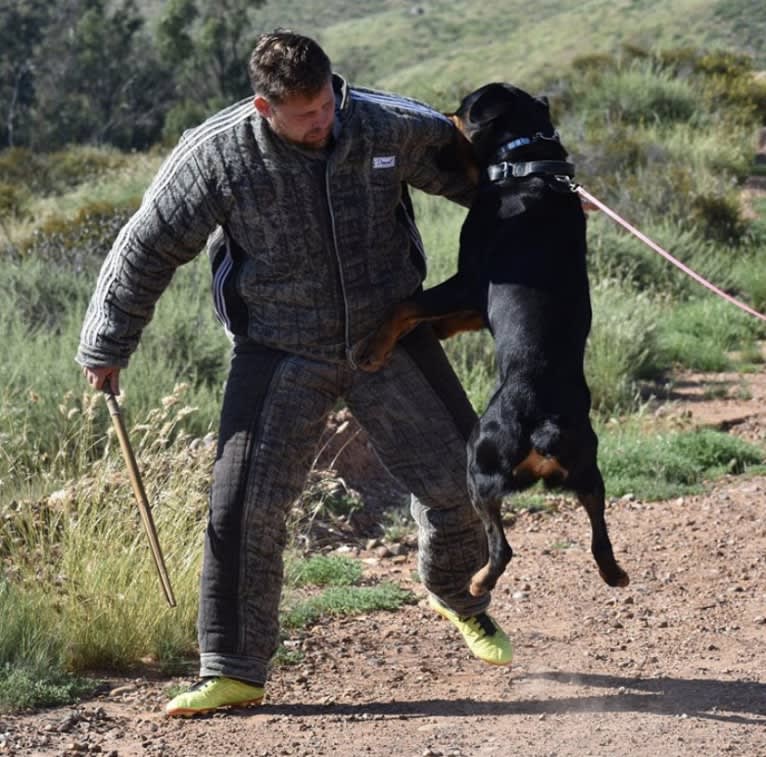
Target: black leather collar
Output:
{"points": [[500, 172]]}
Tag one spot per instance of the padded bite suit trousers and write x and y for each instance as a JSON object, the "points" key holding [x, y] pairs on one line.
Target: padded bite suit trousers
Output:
{"points": [[274, 410]]}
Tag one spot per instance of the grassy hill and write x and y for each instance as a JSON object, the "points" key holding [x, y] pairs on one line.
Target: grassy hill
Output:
{"points": [[666, 139], [438, 48]]}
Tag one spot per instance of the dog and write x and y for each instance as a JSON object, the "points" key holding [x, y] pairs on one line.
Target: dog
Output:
{"points": [[522, 273]]}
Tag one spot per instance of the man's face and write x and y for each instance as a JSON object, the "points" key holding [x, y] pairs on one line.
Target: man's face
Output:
{"points": [[304, 121]]}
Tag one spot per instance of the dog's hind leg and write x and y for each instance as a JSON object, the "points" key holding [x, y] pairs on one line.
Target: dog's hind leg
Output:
{"points": [[591, 497], [499, 549]]}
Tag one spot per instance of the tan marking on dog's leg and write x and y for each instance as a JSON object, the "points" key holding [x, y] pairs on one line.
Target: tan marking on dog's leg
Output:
{"points": [[539, 466]]}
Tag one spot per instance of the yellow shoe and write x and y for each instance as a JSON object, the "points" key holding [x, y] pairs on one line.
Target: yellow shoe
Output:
{"points": [[211, 694], [482, 634]]}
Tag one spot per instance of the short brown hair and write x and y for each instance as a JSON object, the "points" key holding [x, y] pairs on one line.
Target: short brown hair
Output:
{"points": [[284, 63]]}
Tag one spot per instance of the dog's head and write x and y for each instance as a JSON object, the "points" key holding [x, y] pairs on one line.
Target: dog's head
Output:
{"points": [[499, 113]]}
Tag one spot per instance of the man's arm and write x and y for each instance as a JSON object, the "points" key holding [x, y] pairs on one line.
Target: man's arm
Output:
{"points": [[440, 159], [169, 229]]}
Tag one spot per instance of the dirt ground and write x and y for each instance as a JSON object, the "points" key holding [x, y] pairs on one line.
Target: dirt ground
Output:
{"points": [[675, 664]]}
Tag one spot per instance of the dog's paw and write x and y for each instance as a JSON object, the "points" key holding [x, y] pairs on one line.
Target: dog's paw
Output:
{"points": [[482, 582], [618, 578], [373, 355]]}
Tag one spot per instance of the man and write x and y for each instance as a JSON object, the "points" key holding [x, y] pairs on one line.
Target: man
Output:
{"points": [[302, 193]]}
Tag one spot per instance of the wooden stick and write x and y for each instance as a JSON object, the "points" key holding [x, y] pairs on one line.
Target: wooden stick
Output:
{"points": [[138, 490]]}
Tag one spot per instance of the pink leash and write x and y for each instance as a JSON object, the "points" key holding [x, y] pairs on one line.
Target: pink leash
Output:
{"points": [[654, 246]]}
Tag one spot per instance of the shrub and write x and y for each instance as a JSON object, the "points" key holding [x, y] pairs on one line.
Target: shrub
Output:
{"points": [[81, 242], [51, 173], [13, 198], [699, 333], [749, 273], [718, 217], [663, 465], [621, 347], [639, 94], [38, 297]]}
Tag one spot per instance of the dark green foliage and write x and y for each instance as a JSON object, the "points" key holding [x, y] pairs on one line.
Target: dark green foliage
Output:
{"points": [[43, 299], [718, 218], [184, 115], [206, 45], [13, 198], [699, 333], [346, 600], [625, 109], [83, 72], [23, 26], [324, 570], [24, 688]]}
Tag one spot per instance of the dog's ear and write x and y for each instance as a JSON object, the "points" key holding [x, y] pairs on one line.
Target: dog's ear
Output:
{"points": [[543, 100], [493, 101]]}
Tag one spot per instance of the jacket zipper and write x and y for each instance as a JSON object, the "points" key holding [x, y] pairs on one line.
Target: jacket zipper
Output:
{"points": [[347, 325]]}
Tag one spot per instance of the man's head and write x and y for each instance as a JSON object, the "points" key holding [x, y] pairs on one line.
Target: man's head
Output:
{"points": [[292, 79]]}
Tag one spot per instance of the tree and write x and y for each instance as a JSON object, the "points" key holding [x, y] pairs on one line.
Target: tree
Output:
{"points": [[207, 44], [100, 80], [23, 26]]}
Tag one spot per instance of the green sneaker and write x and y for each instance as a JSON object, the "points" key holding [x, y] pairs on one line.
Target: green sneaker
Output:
{"points": [[211, 694], [484, 637]]}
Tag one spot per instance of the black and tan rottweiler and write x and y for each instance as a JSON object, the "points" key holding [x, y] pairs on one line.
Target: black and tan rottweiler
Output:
{"points": [[522, 273]]}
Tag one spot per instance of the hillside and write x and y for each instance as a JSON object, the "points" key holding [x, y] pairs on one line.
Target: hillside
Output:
{"points": [[659, 114], [671, 665], [437, 48]]}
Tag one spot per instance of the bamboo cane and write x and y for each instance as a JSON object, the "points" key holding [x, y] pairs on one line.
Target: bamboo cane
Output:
{"points": [[138, 490]]}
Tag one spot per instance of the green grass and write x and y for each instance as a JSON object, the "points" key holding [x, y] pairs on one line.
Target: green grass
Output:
{"points": [[671, 169], [347, 600], [323, 570], [447, 50], [660, 465], [23, 688], [457, 42], [338, 578], [79, 590], [700, 334], [621, 347]]}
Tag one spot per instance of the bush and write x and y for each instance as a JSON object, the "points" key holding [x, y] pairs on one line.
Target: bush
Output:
{"points": [[52, 173], [38, 296], [663, 465], [621, 348], [718, 217], [699, 333], [639, 94], [80, 243]]}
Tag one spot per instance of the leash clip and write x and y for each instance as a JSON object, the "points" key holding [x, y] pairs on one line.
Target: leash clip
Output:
{"points": [[569, 184]]}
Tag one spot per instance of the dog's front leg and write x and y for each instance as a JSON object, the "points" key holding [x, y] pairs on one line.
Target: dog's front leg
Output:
{"points": [[448, 302], [377, 350], [500, 552]]}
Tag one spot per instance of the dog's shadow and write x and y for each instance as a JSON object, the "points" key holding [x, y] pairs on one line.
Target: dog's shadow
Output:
{"points": [[726, 701]]}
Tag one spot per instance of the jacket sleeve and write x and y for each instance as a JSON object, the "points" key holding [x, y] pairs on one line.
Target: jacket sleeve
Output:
{"points": [[433, 164], [177, 214]]}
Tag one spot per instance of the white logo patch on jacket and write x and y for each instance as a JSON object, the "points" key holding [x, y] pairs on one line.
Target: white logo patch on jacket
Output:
{"points": [[384, 161]]}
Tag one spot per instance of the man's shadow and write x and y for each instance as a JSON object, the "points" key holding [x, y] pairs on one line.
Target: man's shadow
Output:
{"points": [[726, 701]]}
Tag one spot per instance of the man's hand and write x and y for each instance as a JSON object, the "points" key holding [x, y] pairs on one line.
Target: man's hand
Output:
{"points": [[98, 376]]}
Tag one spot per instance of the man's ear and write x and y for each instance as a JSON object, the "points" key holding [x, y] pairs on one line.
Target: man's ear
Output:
{"points": [[262, 106]]}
